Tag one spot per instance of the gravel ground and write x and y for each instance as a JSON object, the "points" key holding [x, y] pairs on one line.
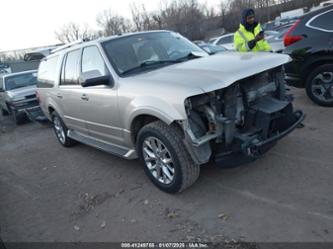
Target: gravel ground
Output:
{"points": [[51, 193]]}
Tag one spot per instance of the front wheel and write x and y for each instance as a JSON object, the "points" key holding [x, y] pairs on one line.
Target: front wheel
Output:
{"points": [[60, 131], [166, 161], [4, 112], [319, 85], [17, 118]]}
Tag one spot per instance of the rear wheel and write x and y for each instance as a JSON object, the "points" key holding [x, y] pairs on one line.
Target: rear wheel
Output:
{"points": [[319, 85], [61, 130], [166, 161]]}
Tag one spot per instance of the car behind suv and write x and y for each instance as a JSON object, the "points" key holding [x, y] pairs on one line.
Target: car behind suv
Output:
{"points": [[17, 92], [157, 96], [310, 43]]}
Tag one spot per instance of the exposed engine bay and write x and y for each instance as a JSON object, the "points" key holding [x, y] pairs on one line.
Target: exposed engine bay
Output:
{"points": [[245, 118]]}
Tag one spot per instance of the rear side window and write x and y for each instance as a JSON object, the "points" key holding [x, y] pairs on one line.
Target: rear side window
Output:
{"points": [[70, 73], [47, 72], [323, 22]]}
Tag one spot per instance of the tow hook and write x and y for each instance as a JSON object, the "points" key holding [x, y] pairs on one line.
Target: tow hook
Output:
{"points": [[250, 147]]}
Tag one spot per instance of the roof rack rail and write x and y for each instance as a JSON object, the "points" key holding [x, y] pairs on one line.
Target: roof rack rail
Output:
{"points": [[68, 45]]}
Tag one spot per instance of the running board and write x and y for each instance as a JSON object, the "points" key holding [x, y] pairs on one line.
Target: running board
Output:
{"points": [[110, 148]]}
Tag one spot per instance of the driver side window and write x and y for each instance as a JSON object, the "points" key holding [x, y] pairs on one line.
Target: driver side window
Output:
{"points": [[93, 61]]}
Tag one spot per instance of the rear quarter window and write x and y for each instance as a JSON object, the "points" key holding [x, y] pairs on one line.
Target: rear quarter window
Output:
{"points": [[47, 72], [323, 21]]}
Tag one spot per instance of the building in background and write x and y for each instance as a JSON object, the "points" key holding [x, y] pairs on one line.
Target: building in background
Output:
{"points": [[14, 61]]}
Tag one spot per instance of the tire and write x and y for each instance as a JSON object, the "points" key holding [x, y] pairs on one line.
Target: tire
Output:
{"points": [[4, 112], [60, 131], [18, 119], [168, 147], [319, 85]]}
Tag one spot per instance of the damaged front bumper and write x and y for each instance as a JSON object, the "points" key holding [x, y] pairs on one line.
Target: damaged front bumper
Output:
{"points": [[249, 148], [267, 120], [267, 123]]}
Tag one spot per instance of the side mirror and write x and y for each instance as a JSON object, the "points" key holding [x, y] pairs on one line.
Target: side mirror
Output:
{"points": [[94, 78]]}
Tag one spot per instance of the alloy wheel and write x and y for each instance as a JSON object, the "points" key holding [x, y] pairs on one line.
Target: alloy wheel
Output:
{"points": [[158, 160], [322, 86], [59, 130]]}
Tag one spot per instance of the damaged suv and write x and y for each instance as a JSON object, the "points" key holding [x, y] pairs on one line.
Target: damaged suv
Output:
{"points": [[157, 96]]}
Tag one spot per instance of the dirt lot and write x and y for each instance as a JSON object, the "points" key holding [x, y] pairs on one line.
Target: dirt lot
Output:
{"points": [[50, 193]]}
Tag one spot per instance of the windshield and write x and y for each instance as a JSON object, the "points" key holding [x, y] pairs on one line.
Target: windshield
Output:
{"points": [[22, 80], [135, 51]]}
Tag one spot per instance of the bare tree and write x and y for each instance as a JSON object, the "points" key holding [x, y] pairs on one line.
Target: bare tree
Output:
{"points": [[183, 16], [144, 20], [224, 9], [13, 55], [112, 24], [73, 31]]}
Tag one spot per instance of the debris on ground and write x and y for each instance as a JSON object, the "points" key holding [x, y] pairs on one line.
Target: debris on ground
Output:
{"points": [[88, 202], [223, 216], [171, 214], [103, 225], [76, 228]]}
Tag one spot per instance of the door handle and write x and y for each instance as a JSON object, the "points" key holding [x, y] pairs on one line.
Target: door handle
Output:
{"points": [[84, 97], [59, 96]]}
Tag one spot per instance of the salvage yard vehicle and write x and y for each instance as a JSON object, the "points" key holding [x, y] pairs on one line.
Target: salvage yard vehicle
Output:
{"points": [[17, 92], [309, 42], [157, 96]]}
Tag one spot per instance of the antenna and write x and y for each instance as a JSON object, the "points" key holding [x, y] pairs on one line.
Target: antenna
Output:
{"points": [[68, 45]]}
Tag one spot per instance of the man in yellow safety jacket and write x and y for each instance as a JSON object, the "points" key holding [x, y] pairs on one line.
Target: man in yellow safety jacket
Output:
{"points": [[250, 37]]}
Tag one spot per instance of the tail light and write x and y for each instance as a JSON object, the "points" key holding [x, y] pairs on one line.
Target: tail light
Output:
{"points": [[289, 38]]}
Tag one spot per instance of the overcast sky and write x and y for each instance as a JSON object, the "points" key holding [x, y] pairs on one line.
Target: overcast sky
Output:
{"points": [[31, 23]]}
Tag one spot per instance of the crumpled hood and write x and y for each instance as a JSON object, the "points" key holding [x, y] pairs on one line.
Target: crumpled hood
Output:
{"points": [[21, 92], [214, 72]]}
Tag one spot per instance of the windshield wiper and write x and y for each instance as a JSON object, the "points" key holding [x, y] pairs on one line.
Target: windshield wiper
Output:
{"points": [[189, 56], [152, 63], [147, 64]]}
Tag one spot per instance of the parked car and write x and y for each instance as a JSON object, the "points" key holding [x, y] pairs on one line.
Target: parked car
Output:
{"points": [[269, 26], [211, 40], [212, 49], [157, 96], [276, 41], [4, 68], [326, 3], [199, 42], [226, 41], [310, 43], [17, 92], [270, 34]]}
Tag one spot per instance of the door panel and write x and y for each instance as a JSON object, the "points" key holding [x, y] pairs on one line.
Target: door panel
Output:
{"points": [[71, 104], [100, 112], [100, 108], [70, 91]]}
